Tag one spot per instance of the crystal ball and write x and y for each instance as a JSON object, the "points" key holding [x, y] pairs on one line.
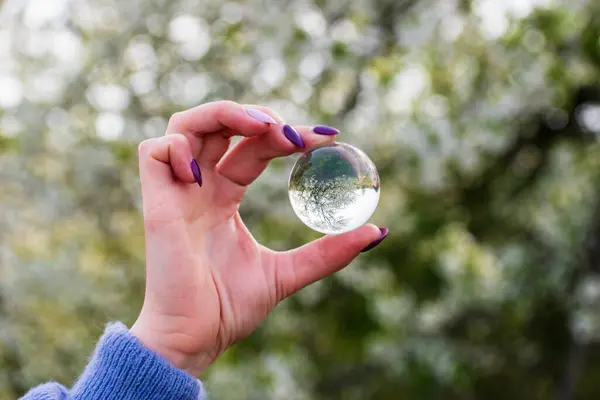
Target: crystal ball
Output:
{"points": [[334, 188]]}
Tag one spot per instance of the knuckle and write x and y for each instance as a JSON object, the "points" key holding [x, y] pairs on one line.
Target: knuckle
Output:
{"points": [[322, 255], [227, 104], [176, 139], [225, 108], [176, 118], [145, 146], [316, 258], [285, 280]]}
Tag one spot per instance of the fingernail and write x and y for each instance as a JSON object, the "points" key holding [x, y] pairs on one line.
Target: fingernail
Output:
{"points": [[325, 130], [259, 115], [384, 233], [196, 172], [293, 136]]}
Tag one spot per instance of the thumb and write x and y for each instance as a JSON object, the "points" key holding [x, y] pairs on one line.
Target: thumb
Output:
{"points": [[322, 257]]}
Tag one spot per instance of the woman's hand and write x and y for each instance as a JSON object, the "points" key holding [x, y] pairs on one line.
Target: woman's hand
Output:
{"points": [[208, 282]]}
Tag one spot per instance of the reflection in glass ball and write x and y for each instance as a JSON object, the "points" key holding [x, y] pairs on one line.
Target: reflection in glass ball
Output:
{"points": [[334, 188]]}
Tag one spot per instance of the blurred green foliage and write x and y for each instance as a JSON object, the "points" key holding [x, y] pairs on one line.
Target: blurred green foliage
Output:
{"points": [[482, 117]]}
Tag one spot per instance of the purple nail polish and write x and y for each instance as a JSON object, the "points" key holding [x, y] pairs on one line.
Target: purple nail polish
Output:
{"points": [[325, 130], [384, 233], [293, 136], [259, 115], [196, 172]]}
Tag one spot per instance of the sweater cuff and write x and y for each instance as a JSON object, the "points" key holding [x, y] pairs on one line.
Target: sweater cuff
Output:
{"points": [[123, 368]]}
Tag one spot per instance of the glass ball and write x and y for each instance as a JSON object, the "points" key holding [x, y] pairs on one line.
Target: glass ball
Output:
{"points": [[334, 188]]}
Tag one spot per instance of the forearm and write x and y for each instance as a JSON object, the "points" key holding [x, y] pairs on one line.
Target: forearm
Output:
{"points": [[122, 368]]}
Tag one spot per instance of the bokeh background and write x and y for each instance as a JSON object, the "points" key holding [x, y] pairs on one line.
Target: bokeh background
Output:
{"points": [[482, 116]]}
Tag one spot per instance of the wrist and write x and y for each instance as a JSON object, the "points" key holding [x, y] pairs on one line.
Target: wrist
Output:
{"points": [[161, 344]]}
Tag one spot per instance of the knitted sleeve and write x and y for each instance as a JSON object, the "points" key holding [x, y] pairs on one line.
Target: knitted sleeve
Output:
{"points": [[122, 368]]}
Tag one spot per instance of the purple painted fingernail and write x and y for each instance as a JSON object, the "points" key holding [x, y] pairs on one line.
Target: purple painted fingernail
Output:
{"points": [[325, 130], [384, 233], [259, 115], [293, 136], [196, 172]]}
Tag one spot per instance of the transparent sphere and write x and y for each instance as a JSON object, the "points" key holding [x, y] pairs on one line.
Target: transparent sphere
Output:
{"points": [[334, 188]]}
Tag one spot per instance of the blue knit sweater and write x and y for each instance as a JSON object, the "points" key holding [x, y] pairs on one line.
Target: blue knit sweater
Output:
{"points": [[123, 369]]}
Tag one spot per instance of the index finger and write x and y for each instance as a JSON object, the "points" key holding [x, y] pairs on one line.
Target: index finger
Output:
{"points": [[219, 116]]}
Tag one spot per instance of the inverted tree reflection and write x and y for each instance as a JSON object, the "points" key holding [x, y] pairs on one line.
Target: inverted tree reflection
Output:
{"points": [[322, 184]]}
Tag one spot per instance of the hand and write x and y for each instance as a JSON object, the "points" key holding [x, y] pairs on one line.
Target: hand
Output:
{"points": [[208, 282]]}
